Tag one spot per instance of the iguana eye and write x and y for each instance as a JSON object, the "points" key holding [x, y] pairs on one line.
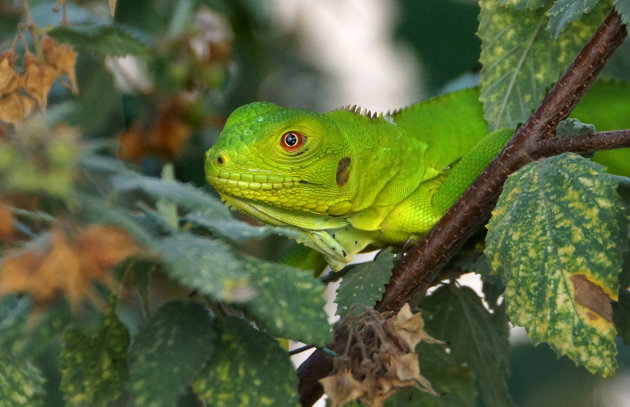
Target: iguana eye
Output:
{"points": [[292, 140]]}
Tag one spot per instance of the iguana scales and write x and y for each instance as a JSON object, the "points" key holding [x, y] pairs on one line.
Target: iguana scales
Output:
{"points": [[347, 179]]}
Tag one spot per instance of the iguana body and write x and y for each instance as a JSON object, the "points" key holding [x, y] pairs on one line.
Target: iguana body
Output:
{"points": [[345, 180]]}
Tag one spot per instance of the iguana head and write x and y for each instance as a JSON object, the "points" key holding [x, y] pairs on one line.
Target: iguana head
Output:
{"points": [[274, 161]]}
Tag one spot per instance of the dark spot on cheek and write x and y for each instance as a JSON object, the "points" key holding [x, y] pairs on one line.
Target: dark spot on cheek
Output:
{"points": [[343, 171]]}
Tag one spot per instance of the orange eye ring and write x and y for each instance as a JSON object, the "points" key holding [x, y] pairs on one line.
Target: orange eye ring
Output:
{"points": [[292, 140]]}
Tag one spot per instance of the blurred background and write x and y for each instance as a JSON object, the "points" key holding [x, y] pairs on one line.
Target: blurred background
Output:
{"points": [[208, 57]]}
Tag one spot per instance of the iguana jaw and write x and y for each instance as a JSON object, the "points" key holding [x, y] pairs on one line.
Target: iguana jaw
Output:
{"points": [[313, 231], [263, 188], [282, 217]]}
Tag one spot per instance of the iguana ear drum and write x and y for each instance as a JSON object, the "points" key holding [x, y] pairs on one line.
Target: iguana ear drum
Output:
{"points": [[343, 171]]}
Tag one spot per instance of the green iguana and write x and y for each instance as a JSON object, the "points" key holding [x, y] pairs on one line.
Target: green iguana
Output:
{"points": [[347, 179]]}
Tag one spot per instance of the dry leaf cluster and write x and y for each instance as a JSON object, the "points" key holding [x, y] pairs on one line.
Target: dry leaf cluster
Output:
{"points": [[21, 89], [378, 358], [6, 223], [166, 137], [66, 265]]}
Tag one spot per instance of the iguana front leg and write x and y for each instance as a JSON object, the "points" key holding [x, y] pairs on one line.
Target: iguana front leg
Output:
{"points": [[337, 245]]}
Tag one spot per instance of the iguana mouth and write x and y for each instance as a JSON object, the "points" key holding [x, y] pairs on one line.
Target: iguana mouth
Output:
{"points": [[254, 182]]}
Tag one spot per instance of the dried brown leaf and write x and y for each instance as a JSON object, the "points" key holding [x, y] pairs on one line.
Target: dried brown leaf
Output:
{"points": [[342, 387], [410, 328], [6, 223], [9, 79], [62, 57], [14, 107], [102, 247], [64, 266], [133, 144], [170, 133], [112, 7], [406, 369], [42, 273], [38, 78], [167, 137]]}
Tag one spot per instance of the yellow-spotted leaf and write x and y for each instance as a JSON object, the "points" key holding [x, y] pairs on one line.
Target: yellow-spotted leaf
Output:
{"points": [[557, 238], [365, 283], [477, 341], [520, 58], [289, 303], [566, 11], [94, 364], [21, 384], [168, 353], [249, 368], [206, 265]]}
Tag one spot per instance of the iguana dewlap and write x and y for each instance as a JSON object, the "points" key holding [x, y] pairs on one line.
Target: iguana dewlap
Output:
{"points": [[346, 180]]}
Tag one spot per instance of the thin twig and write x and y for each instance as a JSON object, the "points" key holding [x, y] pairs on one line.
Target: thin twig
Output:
{"points": [[300, 349]]}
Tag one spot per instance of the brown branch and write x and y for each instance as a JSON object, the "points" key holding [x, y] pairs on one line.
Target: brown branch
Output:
{"points": [[605, 140], [417, 269], [419, 265]]}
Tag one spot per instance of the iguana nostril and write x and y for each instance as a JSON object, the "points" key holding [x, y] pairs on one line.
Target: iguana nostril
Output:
{"points": [[221, 159]]}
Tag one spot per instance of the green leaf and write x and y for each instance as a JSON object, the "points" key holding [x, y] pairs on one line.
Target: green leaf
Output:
{"points": [[207, 265], [94, 364], [21, 384], [365, 283], [524, 4], [557, 237], [564, 12], [475, 337], [573, 127], [453, 380], [289, 303], [13, 315], [284, 300], [168, 353], [623, 7], [103, 39], [227, 227], [249, 368], [520, 59], [621, 315], [182, 194]]}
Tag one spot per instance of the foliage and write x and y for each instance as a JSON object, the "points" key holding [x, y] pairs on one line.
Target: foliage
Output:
{"points": [[124, 279], [562, 277], [364, 283]]}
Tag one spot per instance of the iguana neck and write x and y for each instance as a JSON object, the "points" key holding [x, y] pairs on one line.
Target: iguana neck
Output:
{"points": [[380, 152]]}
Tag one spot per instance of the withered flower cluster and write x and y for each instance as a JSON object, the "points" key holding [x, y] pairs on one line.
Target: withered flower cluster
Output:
{"points": [[378, 358], [21, 89]]}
